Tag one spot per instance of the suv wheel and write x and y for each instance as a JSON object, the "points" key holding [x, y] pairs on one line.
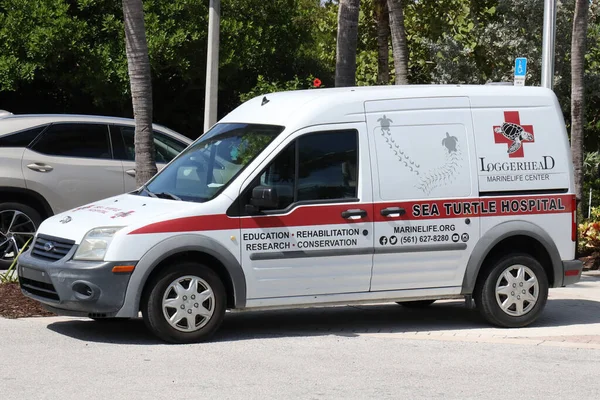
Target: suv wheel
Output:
{"points": [[513, 292], [18, 224], [185, 303]]}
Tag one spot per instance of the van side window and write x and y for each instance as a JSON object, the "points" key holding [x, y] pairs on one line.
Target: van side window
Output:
{"points": [[327, 164], [316, 166], [280, 174]]}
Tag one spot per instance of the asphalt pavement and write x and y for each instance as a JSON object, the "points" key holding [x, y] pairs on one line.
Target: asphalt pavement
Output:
{"points": [[358, 352]]}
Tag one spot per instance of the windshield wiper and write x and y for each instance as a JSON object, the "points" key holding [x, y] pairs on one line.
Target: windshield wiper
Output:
{"points": [[144, 188], [166, 194]]}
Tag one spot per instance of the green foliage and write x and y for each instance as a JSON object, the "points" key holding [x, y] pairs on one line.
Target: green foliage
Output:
{"points": [[69, 55], [263, 86], [589, 233]]}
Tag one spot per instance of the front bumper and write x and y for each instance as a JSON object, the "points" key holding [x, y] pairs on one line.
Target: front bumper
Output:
{"points": [[571, 272], [70, 287]]}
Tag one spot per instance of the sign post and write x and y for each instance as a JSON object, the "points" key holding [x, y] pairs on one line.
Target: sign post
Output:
{"points": [[520, 71]]}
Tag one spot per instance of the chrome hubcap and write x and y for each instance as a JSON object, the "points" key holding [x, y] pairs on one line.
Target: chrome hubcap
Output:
{"points": [[517, 290], [188, 303], [16, 229]]}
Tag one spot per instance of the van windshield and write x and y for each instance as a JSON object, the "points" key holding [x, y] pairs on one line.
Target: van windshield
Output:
{"points": [[207, 166]]}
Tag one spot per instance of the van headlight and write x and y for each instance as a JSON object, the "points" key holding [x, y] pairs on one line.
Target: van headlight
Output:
{"points": [[95, 243]]}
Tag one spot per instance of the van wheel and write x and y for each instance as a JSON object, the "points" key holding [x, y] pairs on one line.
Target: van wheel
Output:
{"points": [[18, 224], [416, 304], [185, 303], [513, 292]]}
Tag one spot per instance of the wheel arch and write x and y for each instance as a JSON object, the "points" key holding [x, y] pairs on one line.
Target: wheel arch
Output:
{"points": [[514, 236], [187, 247], [27, 197]]}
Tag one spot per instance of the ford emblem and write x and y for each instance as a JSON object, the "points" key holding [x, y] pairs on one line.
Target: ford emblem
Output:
{"points": [[49, 246]]}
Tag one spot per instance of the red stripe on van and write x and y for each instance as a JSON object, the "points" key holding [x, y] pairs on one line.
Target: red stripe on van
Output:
{"points": [[190, 224], [331, 214]]}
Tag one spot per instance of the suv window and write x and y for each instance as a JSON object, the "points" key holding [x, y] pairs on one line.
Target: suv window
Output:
{"points": [[166, 147], [22, 138], [75, 140], [316, 166]]}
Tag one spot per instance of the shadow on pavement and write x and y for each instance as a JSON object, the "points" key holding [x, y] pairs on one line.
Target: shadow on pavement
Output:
{"points": [[128, 331], [343, 321]]}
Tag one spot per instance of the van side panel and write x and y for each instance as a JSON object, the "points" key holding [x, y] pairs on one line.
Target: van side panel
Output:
{"points": [[423, 162], [523, 156]]}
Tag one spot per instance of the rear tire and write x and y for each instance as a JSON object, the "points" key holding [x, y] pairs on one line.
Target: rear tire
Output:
{"points": [[416, 304], [513, 291], [185, 304], [18, 223]]}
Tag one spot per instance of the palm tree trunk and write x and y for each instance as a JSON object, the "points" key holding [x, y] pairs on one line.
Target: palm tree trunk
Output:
{"points": [[347, 36], [578, 44], [138, 65], [399, 47], [383, 35]]}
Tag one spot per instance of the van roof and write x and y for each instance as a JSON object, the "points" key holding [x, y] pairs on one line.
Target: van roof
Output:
{"points": [[302, 108]]}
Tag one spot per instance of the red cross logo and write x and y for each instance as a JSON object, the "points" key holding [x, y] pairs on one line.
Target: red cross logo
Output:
{"points": [[512, 133]]}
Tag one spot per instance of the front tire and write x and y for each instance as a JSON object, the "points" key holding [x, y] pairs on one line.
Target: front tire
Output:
{"points": [[513, 292], [185, 303], [18, 223]]}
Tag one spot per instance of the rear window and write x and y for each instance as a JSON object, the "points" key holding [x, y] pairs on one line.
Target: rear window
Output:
{"points": [[21, 139]]}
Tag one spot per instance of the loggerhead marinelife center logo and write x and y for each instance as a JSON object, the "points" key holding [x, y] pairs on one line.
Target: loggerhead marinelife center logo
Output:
{"points": [[512, 133], [515, 136]]}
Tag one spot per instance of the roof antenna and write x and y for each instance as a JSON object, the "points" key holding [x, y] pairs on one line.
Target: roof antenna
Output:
{"points": [[264, 101]]}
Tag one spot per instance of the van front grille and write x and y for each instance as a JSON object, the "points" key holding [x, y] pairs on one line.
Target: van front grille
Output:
{"points": [[51, 248]]}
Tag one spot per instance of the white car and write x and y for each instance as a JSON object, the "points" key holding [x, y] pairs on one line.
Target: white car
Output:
{"points": [[52, 163], [406, 194]]}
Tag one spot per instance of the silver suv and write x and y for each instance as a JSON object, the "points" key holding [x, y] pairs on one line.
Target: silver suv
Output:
{"points": [[53, 163]]}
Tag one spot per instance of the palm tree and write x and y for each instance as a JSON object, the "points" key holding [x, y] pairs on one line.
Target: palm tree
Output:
{"points": [[383, 37], [578, 43], [138, 65], [399, 47], [347, 36]]}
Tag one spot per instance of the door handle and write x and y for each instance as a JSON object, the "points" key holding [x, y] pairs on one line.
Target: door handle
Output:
{"points": [[386, 212], [40, 167], [130, 172], [354, 213]]}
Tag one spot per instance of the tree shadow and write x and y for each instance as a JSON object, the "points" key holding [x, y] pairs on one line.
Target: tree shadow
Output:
{"points": [[340, 320]]}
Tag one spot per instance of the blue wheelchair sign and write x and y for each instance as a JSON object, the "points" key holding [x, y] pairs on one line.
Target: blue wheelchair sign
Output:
{"points": [[520, 66]]}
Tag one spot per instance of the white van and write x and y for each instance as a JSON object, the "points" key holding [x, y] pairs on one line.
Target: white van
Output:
{"points": [[405, 194]]}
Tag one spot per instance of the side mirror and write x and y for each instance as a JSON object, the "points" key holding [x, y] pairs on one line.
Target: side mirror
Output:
{"points": [[263, 197]]}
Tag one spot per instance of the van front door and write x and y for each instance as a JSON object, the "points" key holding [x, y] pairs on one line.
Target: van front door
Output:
{"points": [[426, 205], [307, 217]]}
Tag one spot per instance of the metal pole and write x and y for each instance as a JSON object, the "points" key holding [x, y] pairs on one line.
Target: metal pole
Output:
{"points": [[548, 43], [590, 204], [212, 65]]}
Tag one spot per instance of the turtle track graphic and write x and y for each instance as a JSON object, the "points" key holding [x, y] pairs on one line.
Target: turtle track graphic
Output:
{"points": [[440, 176], [401, 155], [444, 175]]}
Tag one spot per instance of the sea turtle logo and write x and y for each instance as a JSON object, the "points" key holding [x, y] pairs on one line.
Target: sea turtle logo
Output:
{"points": [[384, 122], [445, 174], [450, 142], [514, 132]]}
